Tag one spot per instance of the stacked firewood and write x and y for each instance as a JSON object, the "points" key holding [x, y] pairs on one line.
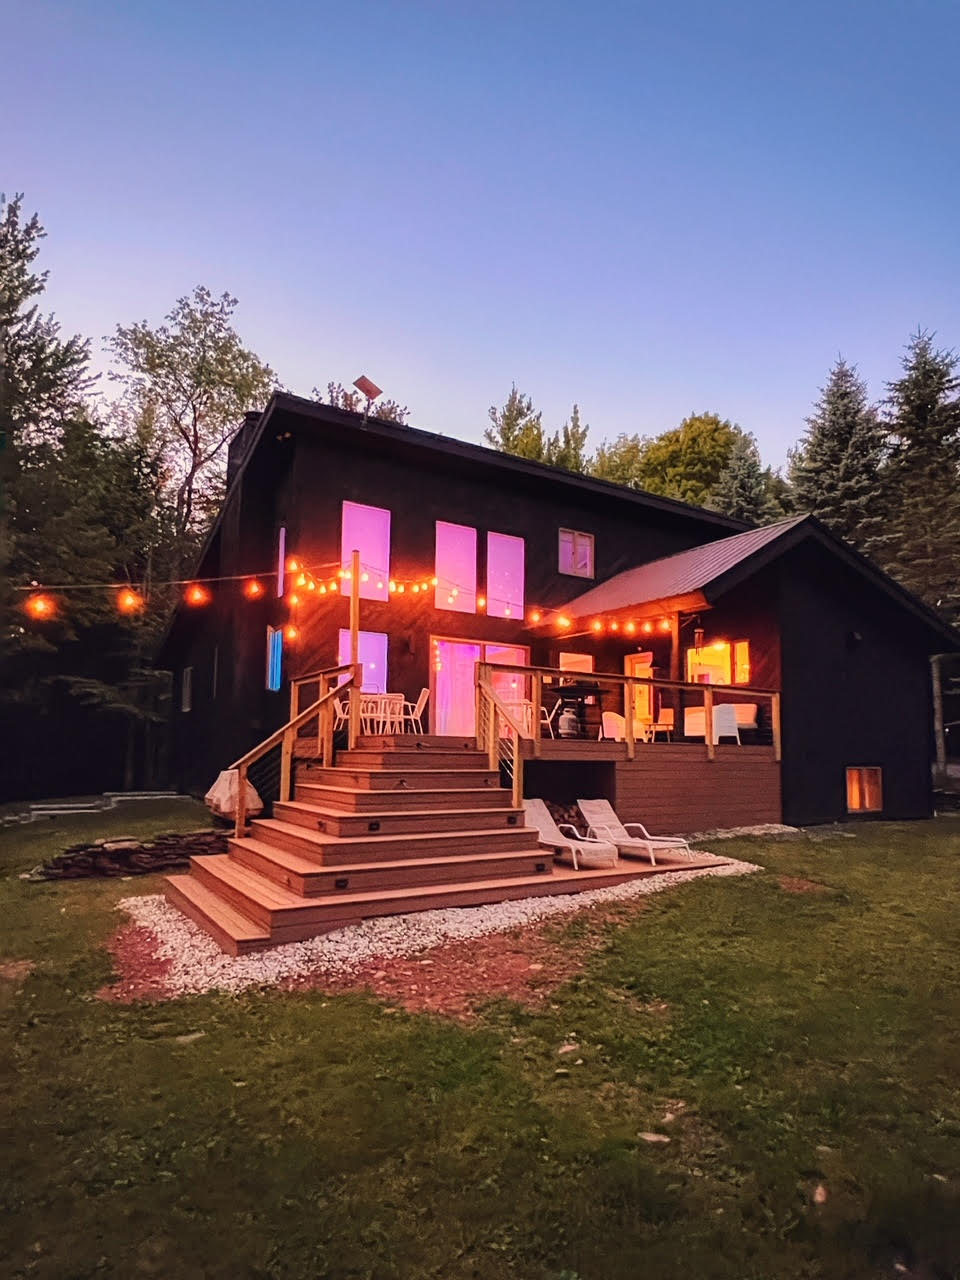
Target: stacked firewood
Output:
{"points": [[567, 813], [127, 856]]}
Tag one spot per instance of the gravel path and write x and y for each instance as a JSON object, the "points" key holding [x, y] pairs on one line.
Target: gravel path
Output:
{"points": [[191, 962]]}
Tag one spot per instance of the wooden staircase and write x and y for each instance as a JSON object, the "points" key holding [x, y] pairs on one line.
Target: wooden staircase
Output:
{"points": [[399, 824]]}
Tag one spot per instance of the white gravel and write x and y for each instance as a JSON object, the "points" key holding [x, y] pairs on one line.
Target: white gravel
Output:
{"points": [[199, 965]]}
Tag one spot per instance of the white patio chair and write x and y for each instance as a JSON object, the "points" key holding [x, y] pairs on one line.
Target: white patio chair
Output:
{"points": [[612, 725], [725, 724], [632, 838], [664, 723], [339, 713], [413, 713], [546, 717], [567, 843]]}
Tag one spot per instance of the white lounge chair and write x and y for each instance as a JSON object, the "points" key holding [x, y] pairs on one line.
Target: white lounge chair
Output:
{"points": [[567, 843], [631, 838]]}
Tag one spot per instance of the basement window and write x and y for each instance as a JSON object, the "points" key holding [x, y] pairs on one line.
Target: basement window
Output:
{"points": [[864, 789]]}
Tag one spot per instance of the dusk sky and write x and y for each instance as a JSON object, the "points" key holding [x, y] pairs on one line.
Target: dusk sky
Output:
{"points": [[651, 209]]}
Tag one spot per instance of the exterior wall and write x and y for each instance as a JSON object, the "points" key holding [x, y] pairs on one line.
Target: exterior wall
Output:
{"points": [[856, 691], [670, 792]]}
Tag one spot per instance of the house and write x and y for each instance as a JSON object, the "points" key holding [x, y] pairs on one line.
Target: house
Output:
{"points": [[736, 675]]}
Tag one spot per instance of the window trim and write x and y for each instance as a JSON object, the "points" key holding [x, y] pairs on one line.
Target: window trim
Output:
{"points": [[374, 579], [272, 634], [576, 534], [514, 608], [466, 598]]}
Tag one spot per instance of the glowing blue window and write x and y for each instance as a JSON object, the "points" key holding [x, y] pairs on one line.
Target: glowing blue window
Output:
{"points": [[274, 657]]}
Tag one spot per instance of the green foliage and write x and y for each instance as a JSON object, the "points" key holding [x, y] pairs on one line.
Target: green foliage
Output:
{"points": [[516, 428], [796, 1040], [568, 446], [920, 539], [837, 469], [193, 380], [343, 398], [743, 487]]}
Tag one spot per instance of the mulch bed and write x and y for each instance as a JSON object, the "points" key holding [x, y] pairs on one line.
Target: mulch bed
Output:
{"points": [[127, 856]]}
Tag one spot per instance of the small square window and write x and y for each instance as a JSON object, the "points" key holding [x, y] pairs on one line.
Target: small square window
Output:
{"points": [[576, 553], [864, 789], [186, 689]]}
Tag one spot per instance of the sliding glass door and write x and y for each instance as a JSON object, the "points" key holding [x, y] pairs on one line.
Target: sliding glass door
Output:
{"points": [[453, 693]]}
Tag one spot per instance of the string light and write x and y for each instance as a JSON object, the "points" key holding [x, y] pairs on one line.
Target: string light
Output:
{"points": [[40, 607], [294, 599], [253, 589], [481, 602], [196, 595], [291, 633], [130, 601]]}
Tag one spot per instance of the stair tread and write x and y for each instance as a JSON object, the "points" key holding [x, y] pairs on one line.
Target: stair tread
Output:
{"points": [[223, 914], [305, 866], [373, 815], [274, 896], [421, 791], [345, 842]]}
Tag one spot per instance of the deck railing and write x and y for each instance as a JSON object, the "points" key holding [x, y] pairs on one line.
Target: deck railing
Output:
{"points": [[536, 685], [498, 733], [331, 682]]}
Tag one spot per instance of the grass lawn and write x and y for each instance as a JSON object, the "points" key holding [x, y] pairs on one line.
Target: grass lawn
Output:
{"points": [[800, 1039]]}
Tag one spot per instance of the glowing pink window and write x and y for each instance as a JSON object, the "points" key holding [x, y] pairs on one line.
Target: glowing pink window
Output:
{"points": [[504, 576], [368, 530], [455, 564]]}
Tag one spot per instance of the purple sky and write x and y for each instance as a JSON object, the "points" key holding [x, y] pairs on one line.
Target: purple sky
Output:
{"points": [[648, 208]]}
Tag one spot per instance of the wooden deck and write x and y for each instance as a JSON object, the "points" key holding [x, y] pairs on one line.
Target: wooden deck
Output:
{"points": [[399, 825]]}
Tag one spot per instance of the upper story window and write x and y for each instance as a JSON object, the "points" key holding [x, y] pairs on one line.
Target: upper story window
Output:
{"points": [[576, 553], [455, 566], [505, 560], [367, 530]]}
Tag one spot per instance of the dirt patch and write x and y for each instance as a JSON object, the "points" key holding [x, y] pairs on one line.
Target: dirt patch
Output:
{"points": [[142, 971], [15, 970], [796, 884]]}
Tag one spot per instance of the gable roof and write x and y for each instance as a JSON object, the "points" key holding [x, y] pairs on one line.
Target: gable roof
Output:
{"points": [[716, 567]]}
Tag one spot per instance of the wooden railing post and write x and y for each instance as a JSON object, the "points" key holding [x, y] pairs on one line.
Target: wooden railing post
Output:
{"points": [[517, 773], [353, 711], [537, 702], [492, 729], [286, 759], [775, 722], [629, 706], [708, 723], [240, 829]]}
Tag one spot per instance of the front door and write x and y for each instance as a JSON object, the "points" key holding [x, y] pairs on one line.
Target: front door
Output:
{"points": [[640, 666], [454, 692]]}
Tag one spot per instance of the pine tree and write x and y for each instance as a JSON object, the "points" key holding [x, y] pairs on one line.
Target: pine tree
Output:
{"points": [[567, 447], [516, 428], [920, 542], [837, 469], [742, 489]]}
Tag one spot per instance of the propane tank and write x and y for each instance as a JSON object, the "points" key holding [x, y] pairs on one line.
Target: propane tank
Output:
{"points": [[568, 725]]}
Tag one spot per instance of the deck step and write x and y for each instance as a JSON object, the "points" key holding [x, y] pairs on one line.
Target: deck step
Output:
{"points": [[387, 822], [301, 918], [364, 757], [348, 799], [334, 851], [305, 877], [233, 931], [414, 742], [380, 779]]}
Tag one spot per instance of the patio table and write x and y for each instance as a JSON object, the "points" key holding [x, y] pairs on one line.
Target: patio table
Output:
{"points": [[381, 712]]}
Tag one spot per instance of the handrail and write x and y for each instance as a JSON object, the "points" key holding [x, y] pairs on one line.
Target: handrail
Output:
{"points": [[322, 671], [614, 677], [504, 709], [500, 750], [284, 737]]}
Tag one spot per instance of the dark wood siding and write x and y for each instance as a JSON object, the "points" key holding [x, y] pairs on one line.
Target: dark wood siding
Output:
{"points": [[856, 691]]}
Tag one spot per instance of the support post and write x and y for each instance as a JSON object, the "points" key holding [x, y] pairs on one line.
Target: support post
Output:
{"points": [[939, 736], [517, 773], [775, 722], [493, 759], [240, 829], [353, 731], [708, 723], [286, 760], [294, 698], [537, 703], [629, 706]]}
